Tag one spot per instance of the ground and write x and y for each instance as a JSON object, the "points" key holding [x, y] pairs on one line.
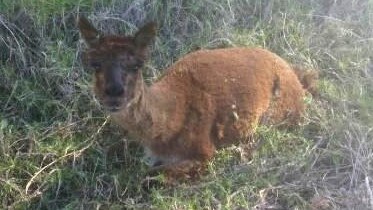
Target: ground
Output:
{"points": [[60, 151]]}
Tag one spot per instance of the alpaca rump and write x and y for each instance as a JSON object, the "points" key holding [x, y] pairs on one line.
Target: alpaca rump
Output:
{"points": [[206, 100]]}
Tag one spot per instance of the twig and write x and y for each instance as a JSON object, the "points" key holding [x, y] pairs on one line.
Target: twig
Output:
{"points": [[369, 189], [74, 153]]}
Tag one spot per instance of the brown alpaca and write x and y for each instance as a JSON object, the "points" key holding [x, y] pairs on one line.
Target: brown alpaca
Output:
{"points": [[206, 100]]}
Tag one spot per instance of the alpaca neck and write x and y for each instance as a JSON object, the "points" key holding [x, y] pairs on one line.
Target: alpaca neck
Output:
{"points": [[136, 117]]}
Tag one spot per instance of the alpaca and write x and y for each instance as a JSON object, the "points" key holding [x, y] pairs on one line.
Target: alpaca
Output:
{"points": [[207, 100]]}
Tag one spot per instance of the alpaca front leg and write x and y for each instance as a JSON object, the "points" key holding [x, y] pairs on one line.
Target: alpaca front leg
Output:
{"points": [[186, 153], [150, 159], [183, 170], [180, 171], [189, 162]]}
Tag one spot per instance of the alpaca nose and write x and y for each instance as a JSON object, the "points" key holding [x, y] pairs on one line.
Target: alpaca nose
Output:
{"points": [[114, 90]]}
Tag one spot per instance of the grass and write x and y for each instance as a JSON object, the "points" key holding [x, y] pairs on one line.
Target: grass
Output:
{"points": [[58, 149]]}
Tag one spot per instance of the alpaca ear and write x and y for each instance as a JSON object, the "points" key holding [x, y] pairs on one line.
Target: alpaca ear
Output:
{"points": [[89, 33], [145, 35]]}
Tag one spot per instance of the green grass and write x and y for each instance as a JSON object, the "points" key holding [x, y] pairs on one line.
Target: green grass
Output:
{"points": [[58, 150]]}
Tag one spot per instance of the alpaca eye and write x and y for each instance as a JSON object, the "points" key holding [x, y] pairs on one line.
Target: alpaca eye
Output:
{"points": [[139, 64], [95, 65], [135, 67], [130, 67]]}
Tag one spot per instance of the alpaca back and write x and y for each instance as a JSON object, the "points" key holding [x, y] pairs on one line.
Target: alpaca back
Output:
{"points": [[243, 87]]}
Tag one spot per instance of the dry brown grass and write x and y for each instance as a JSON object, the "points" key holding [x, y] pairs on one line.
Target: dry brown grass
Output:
{"points": [[45, 134]]}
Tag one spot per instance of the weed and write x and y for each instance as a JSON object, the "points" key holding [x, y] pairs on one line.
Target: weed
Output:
{"points": [[59, 151]]}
